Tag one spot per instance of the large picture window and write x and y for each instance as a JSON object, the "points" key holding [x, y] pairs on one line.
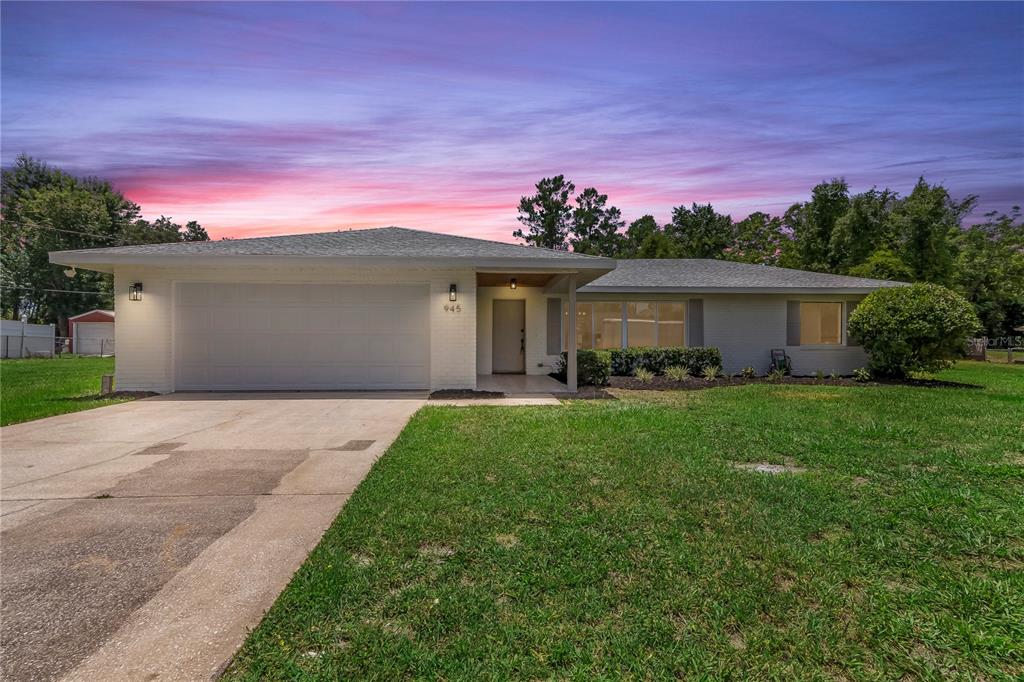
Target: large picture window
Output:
{"points": [[821, 323], [641, 329], [671, 320], [607, 325], [620, 324]]}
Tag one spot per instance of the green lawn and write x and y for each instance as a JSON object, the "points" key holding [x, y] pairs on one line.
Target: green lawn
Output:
{"points": [[610, 539], [32, 389]]}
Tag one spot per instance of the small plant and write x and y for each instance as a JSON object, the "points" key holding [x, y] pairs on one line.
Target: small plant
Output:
{"points": [[776, 375], [834, 376], [677, 373], [862, 374], [711, 372], [644, 376], [819, 376], [748, 372]]}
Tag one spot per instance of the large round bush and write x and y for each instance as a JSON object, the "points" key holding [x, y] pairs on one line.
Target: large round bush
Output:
{"points": [[919, 328]]}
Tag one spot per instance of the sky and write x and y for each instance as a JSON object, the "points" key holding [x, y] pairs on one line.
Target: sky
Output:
{"points": [[266, 118]]}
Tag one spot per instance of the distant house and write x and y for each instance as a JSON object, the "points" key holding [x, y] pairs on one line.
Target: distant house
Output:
{"points": [[393, 308], [92, 333]]}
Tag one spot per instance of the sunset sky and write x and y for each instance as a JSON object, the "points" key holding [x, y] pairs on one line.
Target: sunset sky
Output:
{"points": [[258, 118]]}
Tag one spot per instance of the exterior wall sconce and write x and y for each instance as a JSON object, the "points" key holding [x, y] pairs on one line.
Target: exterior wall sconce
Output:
{"points": [[135, 292], [512, 284], [453, 293]]}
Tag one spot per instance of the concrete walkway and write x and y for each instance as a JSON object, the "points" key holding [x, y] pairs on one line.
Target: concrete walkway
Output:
{"points": [[142, 540]]}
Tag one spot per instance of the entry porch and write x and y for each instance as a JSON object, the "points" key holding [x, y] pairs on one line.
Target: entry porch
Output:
{"points": [[520, 326]]}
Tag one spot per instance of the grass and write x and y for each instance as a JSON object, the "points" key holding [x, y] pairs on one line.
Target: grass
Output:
{"points": [[611, 539], [33, 389]]}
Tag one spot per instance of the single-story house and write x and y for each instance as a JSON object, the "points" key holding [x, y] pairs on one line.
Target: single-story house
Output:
{"points": [[393, 308], [92, 333]]}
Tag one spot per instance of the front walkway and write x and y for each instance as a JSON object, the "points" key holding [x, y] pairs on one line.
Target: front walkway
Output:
{"points": [[519, 384], [142, 540]]}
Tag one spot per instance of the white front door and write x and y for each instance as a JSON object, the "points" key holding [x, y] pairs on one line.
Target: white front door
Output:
{"points": [[508, 337], [266, 336]]}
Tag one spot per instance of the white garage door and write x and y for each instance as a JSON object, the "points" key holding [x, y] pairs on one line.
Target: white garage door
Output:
{"points": [[301, 336], [94, 338]]}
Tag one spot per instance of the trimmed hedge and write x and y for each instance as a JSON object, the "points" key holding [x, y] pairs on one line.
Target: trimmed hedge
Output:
{"points": [[625, 361], [593, 367]]}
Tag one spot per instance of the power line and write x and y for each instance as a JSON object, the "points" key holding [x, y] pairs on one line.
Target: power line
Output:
{"points": [[61, 291], [33, 224]]}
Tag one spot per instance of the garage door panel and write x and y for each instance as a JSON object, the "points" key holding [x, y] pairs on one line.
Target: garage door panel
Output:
{"points": [[288, 336], [411, 350]]}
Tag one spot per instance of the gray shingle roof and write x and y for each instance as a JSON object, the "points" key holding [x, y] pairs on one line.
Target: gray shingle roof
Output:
{"points": [[718, 275], [384, 242]]}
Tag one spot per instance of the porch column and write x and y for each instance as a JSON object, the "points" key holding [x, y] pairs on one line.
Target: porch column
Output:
{"points": [[570, 364]]}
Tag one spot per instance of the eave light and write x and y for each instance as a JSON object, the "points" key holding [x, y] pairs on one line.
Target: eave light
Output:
{"points": [[512, 284]]}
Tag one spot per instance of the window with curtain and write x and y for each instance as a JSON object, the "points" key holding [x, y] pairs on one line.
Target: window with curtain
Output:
{"points": [[671, 324], [642, 320], [821, 323]]}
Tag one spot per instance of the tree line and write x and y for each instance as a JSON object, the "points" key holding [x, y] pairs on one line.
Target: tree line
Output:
{"points": [[45, 209], [878, 234]]}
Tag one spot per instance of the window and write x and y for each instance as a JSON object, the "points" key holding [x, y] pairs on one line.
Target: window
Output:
{"points": [[671, 329], [600, 325], [607, 325], [584, 325], [641, 327], [821, 323]]}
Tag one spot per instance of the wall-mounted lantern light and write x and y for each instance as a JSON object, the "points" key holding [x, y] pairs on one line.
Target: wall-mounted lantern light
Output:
{"points": [[453, 293], [135, 292], [512, 284]]}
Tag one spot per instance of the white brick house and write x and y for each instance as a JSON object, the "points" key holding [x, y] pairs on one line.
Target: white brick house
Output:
{"points": [[393, 308]]}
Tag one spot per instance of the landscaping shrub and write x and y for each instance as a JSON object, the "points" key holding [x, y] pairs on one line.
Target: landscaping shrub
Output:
{"points": [[677, 373], [593, 367], [919, 328], [625, 361], [862, 374], [748, 372], [644, 376], [711, 372]]}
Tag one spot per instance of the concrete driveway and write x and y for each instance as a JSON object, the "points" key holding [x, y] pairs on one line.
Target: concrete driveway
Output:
{"points": [[141, 541]]}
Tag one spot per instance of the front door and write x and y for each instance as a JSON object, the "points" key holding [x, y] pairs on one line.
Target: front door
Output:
{"points": [[508, 338]]}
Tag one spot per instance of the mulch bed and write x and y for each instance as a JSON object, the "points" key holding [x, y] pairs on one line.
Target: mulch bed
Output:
{"points": [[133, 395], [661, 383], [460, 394]]}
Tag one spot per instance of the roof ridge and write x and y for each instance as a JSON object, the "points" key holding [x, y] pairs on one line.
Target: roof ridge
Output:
{"points": [[390, 227]]}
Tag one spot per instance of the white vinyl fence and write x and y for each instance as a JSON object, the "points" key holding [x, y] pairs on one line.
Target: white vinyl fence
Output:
{"points": [[24, 340]]}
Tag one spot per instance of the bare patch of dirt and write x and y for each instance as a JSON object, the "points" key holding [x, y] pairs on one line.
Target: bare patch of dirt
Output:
{"points": [[766, 468], [436, 551], [506, 540], [362, 559]]}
